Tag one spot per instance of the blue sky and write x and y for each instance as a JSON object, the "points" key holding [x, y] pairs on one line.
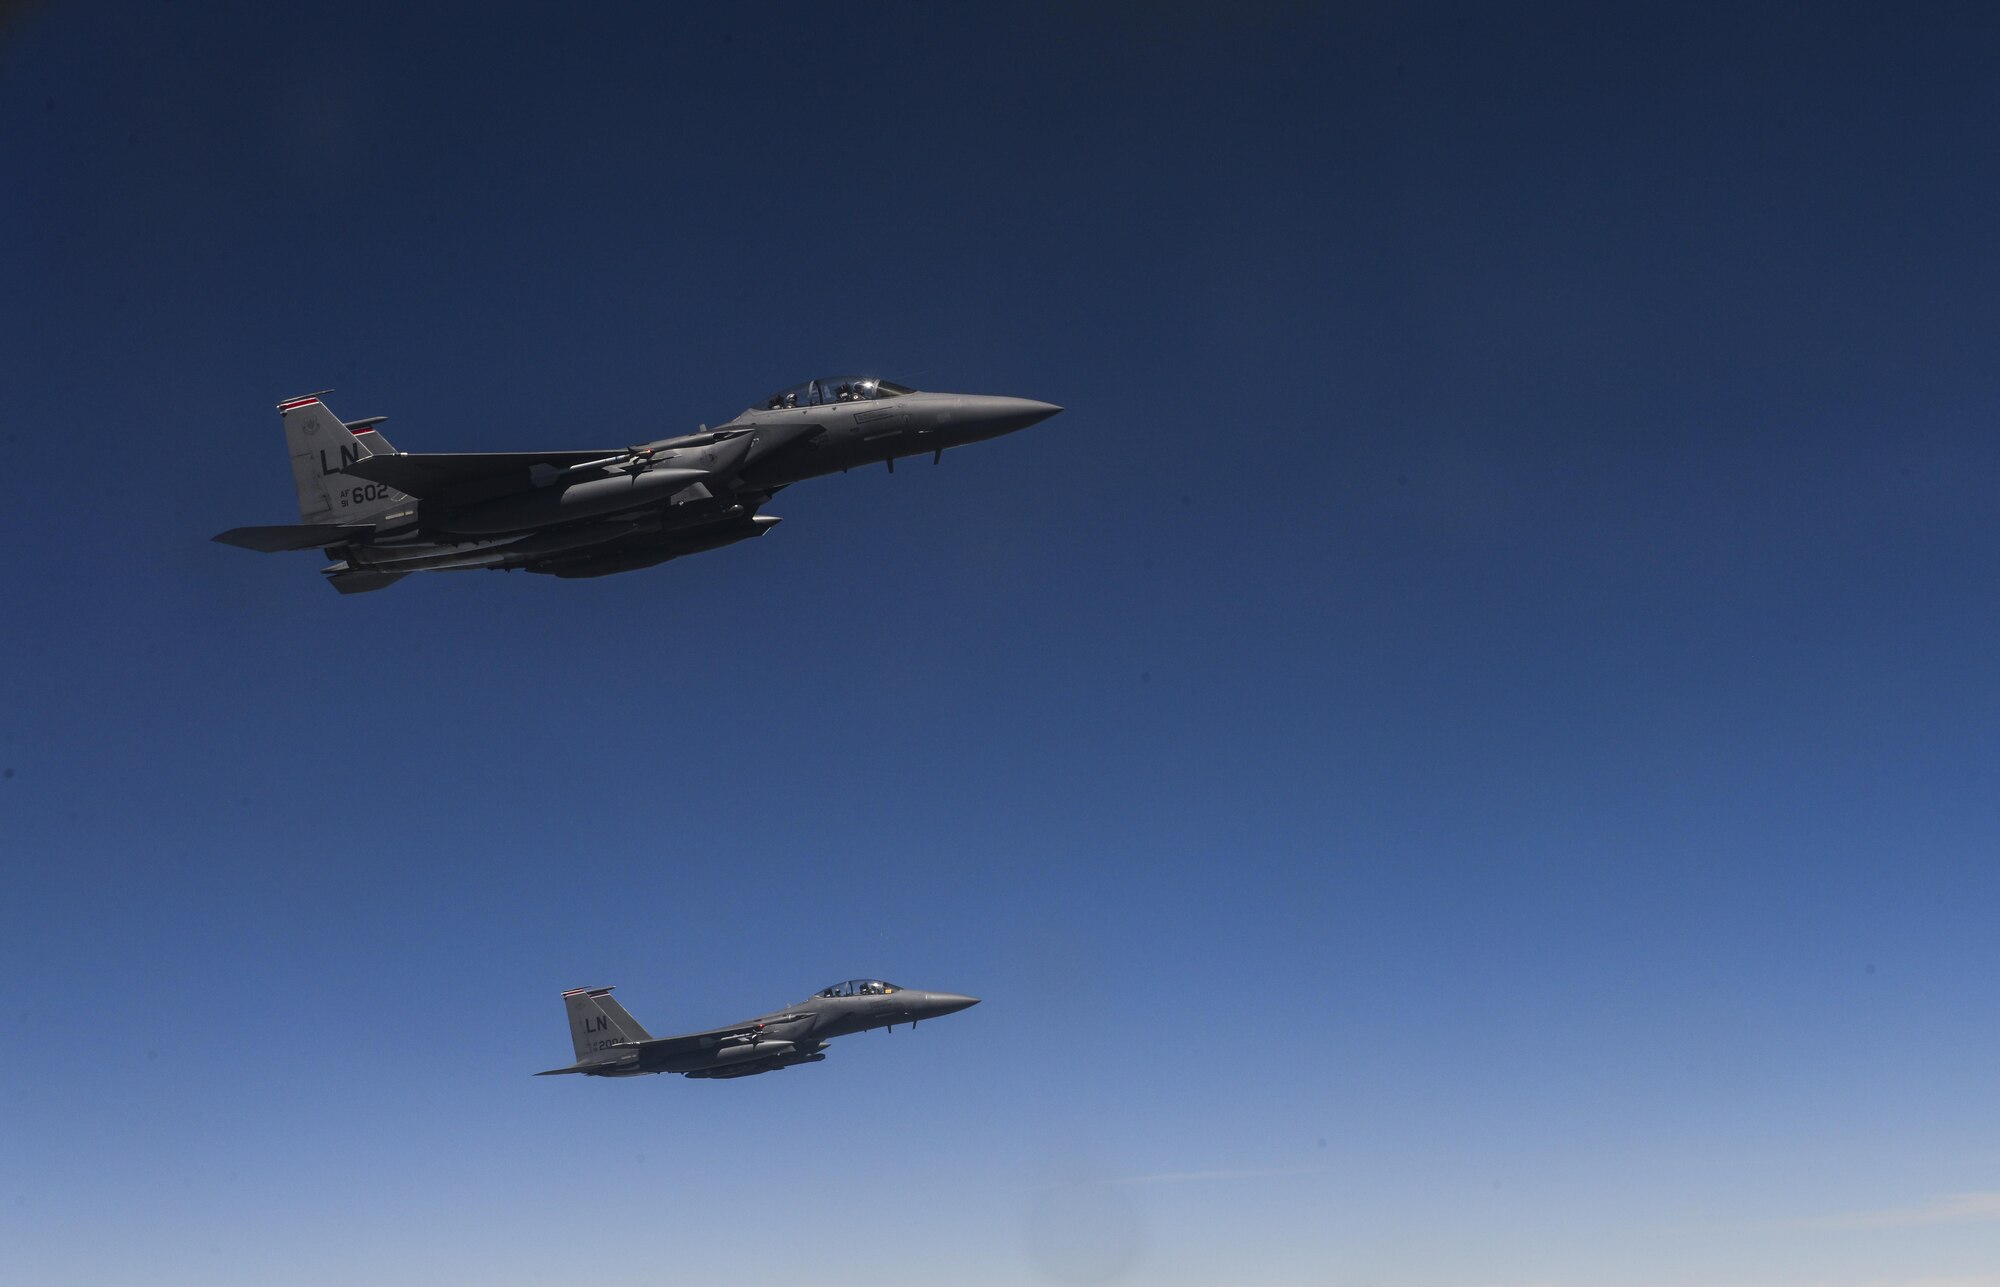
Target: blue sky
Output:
{"points": [[1464, 757]]}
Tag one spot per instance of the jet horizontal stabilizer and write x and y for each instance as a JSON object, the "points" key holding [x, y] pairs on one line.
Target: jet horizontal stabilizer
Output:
{"points": [[626, 1062], [293, 536]]}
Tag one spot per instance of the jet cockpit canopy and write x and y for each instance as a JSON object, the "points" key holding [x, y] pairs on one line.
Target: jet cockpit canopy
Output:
{"points": [[837, 388], [859, 988]]}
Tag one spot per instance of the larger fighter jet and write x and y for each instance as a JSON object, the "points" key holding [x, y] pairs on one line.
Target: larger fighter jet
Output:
{"points": [[381, 514], [610, 1042]]}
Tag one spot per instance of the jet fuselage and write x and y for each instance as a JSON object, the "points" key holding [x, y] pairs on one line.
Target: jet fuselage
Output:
{"points": [[610, 1043], [384, 513]]}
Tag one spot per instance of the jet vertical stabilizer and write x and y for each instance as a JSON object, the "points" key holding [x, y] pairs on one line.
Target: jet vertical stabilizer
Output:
{"points": [[597, 1024], [322, 445]]}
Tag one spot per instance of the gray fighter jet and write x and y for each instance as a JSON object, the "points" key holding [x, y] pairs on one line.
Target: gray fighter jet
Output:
{"points": [[610, 1042], [382, 514]]}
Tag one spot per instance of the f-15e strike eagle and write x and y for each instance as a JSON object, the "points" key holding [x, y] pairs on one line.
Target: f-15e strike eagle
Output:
{"points": [[382, 514], [610, 1042]]}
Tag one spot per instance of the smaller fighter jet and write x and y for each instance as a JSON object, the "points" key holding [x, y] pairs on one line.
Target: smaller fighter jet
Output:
{"points": [[610, 1042]]}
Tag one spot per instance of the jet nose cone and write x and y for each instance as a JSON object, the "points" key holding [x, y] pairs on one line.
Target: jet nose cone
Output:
{"points": [[950, 1003], [1019, 413], [992, 416]]}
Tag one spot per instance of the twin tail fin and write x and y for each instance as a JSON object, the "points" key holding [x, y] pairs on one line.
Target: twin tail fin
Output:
{"points": [[322, 444], [599, 1028]]}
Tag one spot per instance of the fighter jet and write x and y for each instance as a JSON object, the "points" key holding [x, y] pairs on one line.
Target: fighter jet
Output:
{"points": [[382, 514], [610, 1042]]}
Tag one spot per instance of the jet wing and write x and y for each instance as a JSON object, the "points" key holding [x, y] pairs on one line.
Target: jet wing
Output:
{"points": [[626, 1059], [477, 474], [691, 1041]]}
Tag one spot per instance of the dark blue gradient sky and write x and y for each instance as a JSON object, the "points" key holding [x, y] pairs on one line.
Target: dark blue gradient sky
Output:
{"points": [[1467, 755]]}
